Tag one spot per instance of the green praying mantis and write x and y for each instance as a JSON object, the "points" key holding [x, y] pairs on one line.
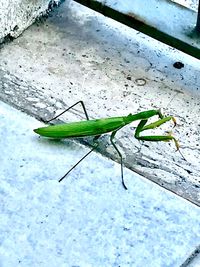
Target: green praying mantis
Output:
{"points": [[111, 125]]}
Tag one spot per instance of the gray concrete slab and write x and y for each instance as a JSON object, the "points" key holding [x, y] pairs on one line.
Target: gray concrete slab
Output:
{"points": [[192, 4], [164, 20], [88, 219], [195, 262], [17, 15], [77, 54]]}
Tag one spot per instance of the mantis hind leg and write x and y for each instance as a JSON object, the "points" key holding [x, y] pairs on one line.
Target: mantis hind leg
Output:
{"points": [[95, 145], [83, 106], [120, 155]]}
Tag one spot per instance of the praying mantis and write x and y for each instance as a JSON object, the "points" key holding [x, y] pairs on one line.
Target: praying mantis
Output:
{"points": [[97, 127]]}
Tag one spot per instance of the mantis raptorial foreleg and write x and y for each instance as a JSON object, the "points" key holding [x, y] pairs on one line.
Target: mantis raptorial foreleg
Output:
{"points": [[155, 138]]}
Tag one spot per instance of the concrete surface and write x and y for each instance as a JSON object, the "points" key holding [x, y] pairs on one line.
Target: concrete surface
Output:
{"points": [[17, 15], [163, 20], [195, 262], [89, 219], [77, 54], [192, 4]]}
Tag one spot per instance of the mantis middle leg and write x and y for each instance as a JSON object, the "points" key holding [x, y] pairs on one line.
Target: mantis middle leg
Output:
{"points": [[120, 155]]}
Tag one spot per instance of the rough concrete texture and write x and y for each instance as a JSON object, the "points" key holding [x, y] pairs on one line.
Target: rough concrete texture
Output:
{"points": [[88, 220], [193, 4], [195, 261], [77, 54], [17, 15]]}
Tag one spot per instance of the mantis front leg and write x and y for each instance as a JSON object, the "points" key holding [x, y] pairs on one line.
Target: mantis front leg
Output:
{"points": [[155, 138]]}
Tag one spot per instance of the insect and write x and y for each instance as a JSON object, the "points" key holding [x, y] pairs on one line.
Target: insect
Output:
{"points": [[98, 127]]}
